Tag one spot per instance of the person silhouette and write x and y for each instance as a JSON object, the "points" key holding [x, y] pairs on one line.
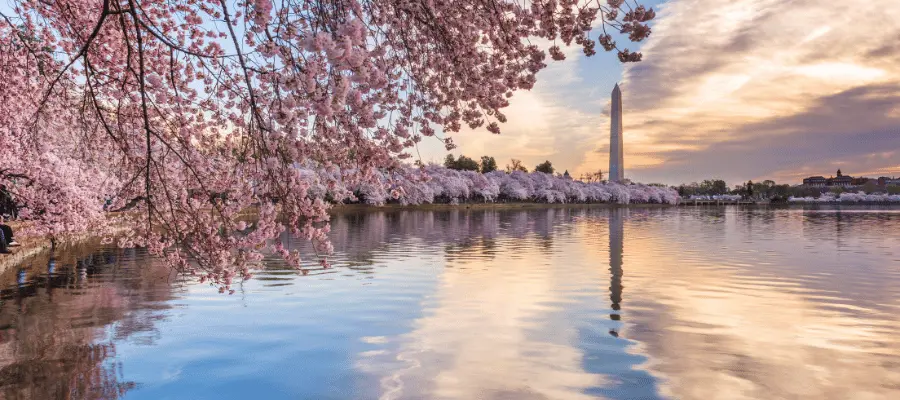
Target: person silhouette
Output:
{"points": [[4, 249], [7, 203]]}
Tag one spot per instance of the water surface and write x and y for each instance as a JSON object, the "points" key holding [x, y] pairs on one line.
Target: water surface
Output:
{"points": [[681, 303]]}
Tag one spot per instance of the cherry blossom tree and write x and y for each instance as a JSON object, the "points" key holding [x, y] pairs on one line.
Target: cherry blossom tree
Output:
{"points": [[849, 197], [189, 113], [438, 184]]}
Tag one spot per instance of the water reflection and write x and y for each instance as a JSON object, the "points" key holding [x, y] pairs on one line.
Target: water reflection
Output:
{"points": [[495, 327], [616, 247], [55, 325], [513, 304], [763, 319]]}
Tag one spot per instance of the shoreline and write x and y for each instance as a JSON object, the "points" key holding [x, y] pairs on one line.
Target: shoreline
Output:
{"points": [[28, 248], [32, 247], [844, 203], [341, 208]]}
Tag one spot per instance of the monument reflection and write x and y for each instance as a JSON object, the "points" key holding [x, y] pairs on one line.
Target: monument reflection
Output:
{"points": [[500, 304]]}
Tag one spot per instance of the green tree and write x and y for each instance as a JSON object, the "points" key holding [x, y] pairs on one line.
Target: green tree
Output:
{"points": [[690, 189], [711, 187], [450, 161], [515, 165], [768, 187], [464, 163], [592, 176], [488, 164], [720, 187], [750, 189], [870, 187], [782, 190], [545, 167], [805, 191]]}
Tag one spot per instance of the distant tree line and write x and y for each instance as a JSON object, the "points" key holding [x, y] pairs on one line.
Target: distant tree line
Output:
{"points": [[489, 164], [765, 190], [769, 189], [709, 187], [870, 187], [515, 165], [463, 163]]}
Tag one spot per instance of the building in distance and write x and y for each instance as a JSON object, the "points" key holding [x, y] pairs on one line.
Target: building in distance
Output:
{"points": [[815, 181], [842, 180], [888, 181]]}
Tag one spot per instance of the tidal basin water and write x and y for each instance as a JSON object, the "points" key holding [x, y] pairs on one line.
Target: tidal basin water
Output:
{"points": [[623, 303]]}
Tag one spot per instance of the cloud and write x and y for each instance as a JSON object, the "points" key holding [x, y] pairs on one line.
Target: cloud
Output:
{"points": [[738, 89], [816, 141], [765, 89], [561, 119], [704, 328]]}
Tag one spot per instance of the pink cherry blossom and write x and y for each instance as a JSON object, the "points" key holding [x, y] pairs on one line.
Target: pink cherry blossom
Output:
{"points": [[185, 116], [437, 184]]}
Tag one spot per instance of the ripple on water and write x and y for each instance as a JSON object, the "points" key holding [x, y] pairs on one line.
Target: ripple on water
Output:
{"points": [[686, 303]]}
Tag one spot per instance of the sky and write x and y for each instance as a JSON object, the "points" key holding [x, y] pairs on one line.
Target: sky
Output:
{"points": [[730, 89]]}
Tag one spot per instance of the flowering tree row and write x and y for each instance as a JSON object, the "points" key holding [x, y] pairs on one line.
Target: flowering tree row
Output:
{"points": [[723, 197], [848, 197], [438, 184], [189, 112]]}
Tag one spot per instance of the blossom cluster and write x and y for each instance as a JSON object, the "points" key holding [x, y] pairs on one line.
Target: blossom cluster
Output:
{"points": [[716, 197], [188, 113], [437, 184]]}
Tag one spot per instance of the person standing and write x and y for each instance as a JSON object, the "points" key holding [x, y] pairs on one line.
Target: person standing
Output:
{"points": [[3, 202], [7, 203], [3, 248], [5, 237]]}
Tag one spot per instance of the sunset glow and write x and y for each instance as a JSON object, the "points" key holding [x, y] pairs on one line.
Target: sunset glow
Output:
{"points": [[763, 87]]}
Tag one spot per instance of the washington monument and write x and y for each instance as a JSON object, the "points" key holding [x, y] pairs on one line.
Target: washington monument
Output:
{"points": [[616, 158]]}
